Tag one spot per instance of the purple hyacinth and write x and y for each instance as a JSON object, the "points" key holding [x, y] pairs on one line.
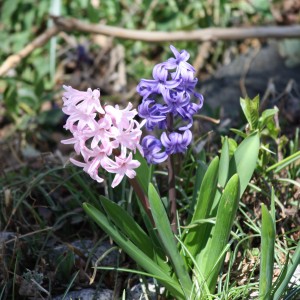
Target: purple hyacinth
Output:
{"points": [[167, 100], [176, 142], [152, 148]]}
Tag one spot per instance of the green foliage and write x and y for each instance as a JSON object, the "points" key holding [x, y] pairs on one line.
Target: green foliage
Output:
{"points": [[250, 108], [281, 286], [194, 238], [167, 240], [267, 254], [195, 262], [203, 247], [211, 260], [131, 249]]}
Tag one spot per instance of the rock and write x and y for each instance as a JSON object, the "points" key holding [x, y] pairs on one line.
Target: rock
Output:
{"points": [[295, 280], [223, 90], [87, 294], [88, 247], [137, 292]]}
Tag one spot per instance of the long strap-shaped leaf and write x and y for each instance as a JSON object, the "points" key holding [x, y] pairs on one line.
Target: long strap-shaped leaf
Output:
{"points": [[267, 254], [134, 232], [193, 238], [211, 259], [143, 172], [244, 160], [222, 180], [168, 242], [134, 252]]}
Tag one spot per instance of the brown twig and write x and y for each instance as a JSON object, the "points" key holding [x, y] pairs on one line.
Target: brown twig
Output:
{"points": [[14, 60], [246, 70], [208, 34]]}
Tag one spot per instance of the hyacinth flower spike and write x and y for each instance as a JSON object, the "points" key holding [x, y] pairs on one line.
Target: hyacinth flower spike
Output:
{"points": [[167, 100], [105, 137]]}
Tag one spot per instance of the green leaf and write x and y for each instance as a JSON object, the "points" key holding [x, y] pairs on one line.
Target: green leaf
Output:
{"points": [[65, 264], [239, 132], [211, 259], [133, 251], [168, 242], [93, 13], [222, 177], [267, 254], [222, 180], [244, 160], [194, 239], [224, 163], [251, 111], [130, 228], [232, 146], [11, 99], [207, 190], [8, 8], [200, 172], [266, 116], [143, 172]]}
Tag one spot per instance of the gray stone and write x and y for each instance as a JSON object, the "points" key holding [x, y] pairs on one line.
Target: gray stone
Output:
{"points": [[88, 247], [137, 291], [223, 90], [87, 294]]}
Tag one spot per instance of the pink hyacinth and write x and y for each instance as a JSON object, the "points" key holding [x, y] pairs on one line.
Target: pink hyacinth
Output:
{"points": [[105, 137]]}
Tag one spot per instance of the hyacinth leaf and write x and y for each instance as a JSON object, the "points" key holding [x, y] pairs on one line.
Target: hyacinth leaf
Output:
{"points": [[224, 163], [130, 228], [143, 172], [167, 240], [200, 172], [244, 160], [282, 286], [193, 238], [127, 225], [207, 190], [250, 108], [222, 180], [267, 254], [212, 256], [223, 175], [133, 251]]}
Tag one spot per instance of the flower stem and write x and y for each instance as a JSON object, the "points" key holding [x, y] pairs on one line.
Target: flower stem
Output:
{"points": [[143, 198], [172, 193], [171, 181]]}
